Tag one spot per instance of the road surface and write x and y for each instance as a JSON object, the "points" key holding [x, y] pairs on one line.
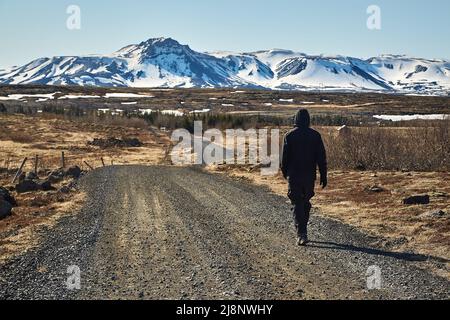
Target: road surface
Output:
{"points": [[180, 233]]}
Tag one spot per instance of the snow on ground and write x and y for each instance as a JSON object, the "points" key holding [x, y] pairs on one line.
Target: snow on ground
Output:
{"points": [[286, 100], [175, 113], [145, 111], [227, 105], [73, 96], [412, 117], [200, 111], [127, 95], [18, 97], [129, 103], [114, 112]]}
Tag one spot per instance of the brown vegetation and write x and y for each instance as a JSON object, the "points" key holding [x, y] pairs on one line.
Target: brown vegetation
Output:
{"points": [[375, 148], [47, 136]]}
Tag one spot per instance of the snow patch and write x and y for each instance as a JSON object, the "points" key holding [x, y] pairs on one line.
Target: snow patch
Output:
{"points": [[200, 111], [396, 118], [74, 96], [127, 95], [287, 100]]}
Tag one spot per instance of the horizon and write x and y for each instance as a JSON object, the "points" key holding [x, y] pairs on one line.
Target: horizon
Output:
{"points": [[407, 28]]}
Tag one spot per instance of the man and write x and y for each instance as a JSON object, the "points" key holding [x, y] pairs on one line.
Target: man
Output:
{"points": [[303, 152]]}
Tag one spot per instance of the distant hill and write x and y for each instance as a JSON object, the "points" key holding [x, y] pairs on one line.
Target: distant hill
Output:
{"points": [[163, 62]]}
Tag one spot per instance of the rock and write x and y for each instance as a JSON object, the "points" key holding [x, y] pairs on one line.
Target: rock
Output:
{"points": [[64, 189], [375, 189], [360, 166], [74, 172], [3, 108], [115, 143], [421, 199], [46, 185], [27, 186], [134, 142], [53, 179], [6, 196], [5, 209], [434, 214], [56, 176], [22, 176], [31, 176]]}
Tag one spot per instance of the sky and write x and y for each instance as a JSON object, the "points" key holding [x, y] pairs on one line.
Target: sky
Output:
{"points": [[34, 29]]}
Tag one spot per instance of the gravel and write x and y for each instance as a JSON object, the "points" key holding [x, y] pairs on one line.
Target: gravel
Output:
{"points": [[180, 233]]}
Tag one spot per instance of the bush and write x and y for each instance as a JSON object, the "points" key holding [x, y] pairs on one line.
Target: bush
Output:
{"points": [[374, 148]]}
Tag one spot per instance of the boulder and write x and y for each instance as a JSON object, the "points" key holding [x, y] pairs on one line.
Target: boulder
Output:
{"points": [[421, 199], [133, 142], [31, 176], [6, 196], [73, 172], [5, 209], [56, 176], [360, 166], [46, 185], [22, 176], [27, 186], [64, 189]]}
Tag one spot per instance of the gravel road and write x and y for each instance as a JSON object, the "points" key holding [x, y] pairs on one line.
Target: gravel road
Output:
{"points": [[180, 233]]}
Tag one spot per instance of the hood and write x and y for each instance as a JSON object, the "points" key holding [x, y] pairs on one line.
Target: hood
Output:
{"points": [[302, 119]]}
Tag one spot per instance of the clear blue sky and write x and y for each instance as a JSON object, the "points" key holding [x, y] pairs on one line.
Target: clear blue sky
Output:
{"points": [[32, 29]]}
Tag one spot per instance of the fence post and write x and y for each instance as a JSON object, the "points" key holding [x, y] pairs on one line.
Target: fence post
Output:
{"points": [[89, 166], [36, 159], [63, 160], [20, 170]]}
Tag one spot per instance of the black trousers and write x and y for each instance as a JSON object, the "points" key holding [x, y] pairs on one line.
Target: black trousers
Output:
{"points": [[300, 195]]}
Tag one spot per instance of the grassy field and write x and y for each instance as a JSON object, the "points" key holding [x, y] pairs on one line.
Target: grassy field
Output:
{"points": [[238, 101]]}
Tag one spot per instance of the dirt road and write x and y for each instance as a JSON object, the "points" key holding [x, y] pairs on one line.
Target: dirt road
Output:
{"points": [[171, 233]]}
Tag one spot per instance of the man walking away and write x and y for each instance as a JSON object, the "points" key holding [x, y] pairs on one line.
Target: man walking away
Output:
{"points": [[303, 152]]}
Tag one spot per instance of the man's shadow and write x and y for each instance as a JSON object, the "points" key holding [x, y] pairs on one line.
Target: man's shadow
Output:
{"points": [[377, 252]]}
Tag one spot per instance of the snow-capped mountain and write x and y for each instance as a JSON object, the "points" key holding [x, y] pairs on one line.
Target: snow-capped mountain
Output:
{"points": [[163, 62]]}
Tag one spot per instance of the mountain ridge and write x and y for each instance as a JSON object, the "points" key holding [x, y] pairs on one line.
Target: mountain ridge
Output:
{"points": [[164, 62]]}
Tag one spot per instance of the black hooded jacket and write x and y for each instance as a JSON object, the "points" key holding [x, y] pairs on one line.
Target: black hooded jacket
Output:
{"points": [[303, 152]]}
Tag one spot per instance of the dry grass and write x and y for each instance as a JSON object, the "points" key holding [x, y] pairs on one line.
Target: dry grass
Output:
{"points": [[21, 231], [374, 148], [47, 136]]}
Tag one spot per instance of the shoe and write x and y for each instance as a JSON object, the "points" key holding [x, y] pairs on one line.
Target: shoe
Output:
{"points": [[302, 240]]}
